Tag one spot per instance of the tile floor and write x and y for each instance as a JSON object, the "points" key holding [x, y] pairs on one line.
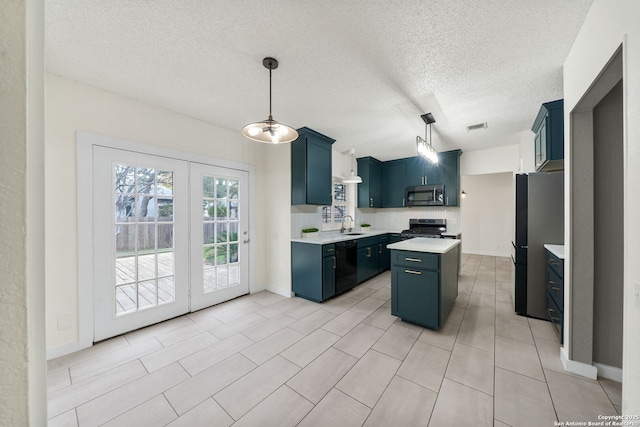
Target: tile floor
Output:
{"points": [[265, 360]]}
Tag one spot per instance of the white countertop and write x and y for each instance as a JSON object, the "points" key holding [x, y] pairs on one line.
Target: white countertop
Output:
{"points": [[425, 244], [332, 237], [452, 233], [557, 250]]}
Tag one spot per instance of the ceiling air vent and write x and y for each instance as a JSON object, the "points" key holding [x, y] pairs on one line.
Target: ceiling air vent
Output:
{"points": [[477, 127]]}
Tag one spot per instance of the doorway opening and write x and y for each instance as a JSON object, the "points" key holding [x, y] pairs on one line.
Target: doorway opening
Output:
{"points": [[597, 223]]}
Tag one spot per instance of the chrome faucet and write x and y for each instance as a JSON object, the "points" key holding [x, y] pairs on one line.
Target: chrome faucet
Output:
{"points": [[350, 223]]}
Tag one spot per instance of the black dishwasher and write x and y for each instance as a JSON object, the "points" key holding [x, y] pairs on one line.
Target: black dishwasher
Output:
{"points": [[346, 265]]}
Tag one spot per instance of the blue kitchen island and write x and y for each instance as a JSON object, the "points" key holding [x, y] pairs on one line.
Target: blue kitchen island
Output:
{"points": [[424, 280]]}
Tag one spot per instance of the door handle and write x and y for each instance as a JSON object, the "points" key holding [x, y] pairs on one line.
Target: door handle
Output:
{"points": [[413, 259], [419, 273], [246, 241]]}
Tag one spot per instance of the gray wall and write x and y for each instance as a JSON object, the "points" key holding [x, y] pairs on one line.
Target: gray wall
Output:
{"points": [[609, 230]]}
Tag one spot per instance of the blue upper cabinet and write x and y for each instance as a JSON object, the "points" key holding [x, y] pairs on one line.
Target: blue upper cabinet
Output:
{"points": [[370, 190], [421, 172], [384, 183], [449, 163], [311, 177], [549, 136], [393, 183]]}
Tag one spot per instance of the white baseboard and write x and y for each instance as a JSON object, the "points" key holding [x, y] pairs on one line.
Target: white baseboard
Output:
{"points": [[280, 291], [63, 350], [609, 372], [578, 368], [487, 253]]}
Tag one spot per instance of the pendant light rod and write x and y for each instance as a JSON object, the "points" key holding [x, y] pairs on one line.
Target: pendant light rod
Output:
{"points": [[425, 146], [271, 64]]}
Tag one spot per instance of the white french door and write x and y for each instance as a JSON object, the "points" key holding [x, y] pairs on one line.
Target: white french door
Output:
{"points": [[219, 235], [141, 226], [145, 209]]}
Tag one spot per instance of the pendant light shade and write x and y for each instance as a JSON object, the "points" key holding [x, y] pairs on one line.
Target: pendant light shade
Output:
{"points": [[425, 149], [270, 131], [352, 178]]}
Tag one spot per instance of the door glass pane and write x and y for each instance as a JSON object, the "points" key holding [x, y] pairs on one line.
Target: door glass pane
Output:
{"points": [[126, 299], [147, 294], [144, 239], [221, 213]]}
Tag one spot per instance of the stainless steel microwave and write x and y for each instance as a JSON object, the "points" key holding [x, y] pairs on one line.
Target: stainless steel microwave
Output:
{"points": [[425, 195]]}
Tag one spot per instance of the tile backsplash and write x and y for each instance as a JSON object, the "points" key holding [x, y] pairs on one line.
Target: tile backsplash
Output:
{"points": [[398, 218], [305, 216]]}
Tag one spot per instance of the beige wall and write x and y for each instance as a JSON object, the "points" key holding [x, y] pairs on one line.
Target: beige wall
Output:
{"points": [[488, 214], [609, 24], [22, 353], [71, 106]]}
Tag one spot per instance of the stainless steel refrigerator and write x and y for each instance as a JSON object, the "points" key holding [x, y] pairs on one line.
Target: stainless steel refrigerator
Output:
{"points": [[539, 220]]}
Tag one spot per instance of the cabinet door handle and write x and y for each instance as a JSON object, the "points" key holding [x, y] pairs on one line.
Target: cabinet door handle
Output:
{"points": [[330, 250], [447, 200], [555, 288], [379, 249], [413, 259], [371, 202], [403, 202], [334, 263], [369, 252], [419, 273]]}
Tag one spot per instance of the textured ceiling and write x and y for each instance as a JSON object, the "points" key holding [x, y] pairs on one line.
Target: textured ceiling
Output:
{"points": [[361, 72]]}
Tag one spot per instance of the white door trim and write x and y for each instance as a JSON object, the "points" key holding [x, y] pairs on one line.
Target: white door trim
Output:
{"points": [[84, 162]]}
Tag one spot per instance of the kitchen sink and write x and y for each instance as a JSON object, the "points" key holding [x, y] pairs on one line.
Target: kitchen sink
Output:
{"points": [[354, 234]]}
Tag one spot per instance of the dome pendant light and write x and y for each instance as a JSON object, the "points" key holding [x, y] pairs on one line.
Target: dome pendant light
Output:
{"points": [[352, 178], [269, 130], [425, 149]]}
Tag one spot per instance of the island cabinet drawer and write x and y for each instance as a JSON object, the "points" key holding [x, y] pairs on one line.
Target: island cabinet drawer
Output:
{"points": [[555, 287], [328, 250], [556, 264], [420, 260]]}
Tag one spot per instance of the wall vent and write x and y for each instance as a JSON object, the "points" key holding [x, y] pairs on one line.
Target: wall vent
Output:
{"points": [[477, 127]]}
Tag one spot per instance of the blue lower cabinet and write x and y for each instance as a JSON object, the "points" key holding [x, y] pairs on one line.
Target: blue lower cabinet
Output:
{"points": [[383, 253], [367, 262], [415, 296], [313, 271], [555, 293], [328, 277], [424, 286], [367, 258]]}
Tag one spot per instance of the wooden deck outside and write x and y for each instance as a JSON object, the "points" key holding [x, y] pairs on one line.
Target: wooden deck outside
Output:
{"points": [[148, 295]]}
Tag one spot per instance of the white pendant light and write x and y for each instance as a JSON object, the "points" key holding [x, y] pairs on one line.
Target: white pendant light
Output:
{"points": [[425, 149], [352, 178], [269, 130]]}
